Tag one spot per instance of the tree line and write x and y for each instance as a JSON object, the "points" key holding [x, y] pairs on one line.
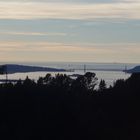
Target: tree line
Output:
{"points": [[60, 107]]}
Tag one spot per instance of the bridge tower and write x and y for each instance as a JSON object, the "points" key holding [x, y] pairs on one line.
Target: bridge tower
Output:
{"points": [[125, 70], [84, 68]]}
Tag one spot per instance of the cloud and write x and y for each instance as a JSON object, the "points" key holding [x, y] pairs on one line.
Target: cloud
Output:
{"points": [[32, 33], [67, 1], [61, 10], [54, 46], [50, 51], [130, 1]]}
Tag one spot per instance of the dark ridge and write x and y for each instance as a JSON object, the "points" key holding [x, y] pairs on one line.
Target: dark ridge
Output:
{"points": [[134, 70], [14, 68]]}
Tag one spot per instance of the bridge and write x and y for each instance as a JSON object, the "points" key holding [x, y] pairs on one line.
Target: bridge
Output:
{"points": [[85, 70]]}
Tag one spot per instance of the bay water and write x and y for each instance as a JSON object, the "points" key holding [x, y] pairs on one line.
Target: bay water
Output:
{"points": [[110, 72]]}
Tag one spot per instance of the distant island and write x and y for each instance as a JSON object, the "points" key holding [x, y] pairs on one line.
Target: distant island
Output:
{"points": [[14, 68]]}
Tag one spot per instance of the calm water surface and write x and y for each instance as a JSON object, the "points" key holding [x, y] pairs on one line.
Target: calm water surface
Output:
{"points": [[109, 76]]}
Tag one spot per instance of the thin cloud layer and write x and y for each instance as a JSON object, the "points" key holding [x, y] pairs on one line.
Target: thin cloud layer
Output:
{"points": [[84, 30], [66, 1], [32, 33], [45, 10], [58, 51]]}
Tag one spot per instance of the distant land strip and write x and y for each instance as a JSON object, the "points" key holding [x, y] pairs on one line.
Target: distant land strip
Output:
{"points": [[121, 70]]}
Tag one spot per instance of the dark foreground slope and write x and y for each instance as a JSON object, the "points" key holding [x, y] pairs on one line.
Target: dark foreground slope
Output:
{"points": [[65, 109]]}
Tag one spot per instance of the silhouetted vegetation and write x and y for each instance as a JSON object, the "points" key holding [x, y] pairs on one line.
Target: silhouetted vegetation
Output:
{"points": [[64, 108], [102, 85]]}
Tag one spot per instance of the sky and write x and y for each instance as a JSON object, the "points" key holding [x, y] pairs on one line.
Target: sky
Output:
{"points": [[70, 31]]}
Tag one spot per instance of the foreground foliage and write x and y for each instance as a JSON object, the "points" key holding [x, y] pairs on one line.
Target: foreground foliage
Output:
{"points": [[64, 108]]}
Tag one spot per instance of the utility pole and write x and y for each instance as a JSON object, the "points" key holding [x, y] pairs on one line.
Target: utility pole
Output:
{"points": [[84, 68], [125, 69], [3, 71], [6, 73]]}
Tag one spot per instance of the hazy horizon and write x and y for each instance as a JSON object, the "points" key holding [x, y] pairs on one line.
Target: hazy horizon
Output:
{"points": [[64, 62], [98, 31]]}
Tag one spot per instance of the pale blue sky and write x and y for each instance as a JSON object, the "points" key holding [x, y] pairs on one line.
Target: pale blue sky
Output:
{"points": [[70, 30]]}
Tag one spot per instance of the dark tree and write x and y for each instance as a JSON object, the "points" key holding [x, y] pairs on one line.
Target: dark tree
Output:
{"points": [[47, 79], [40, 81], [85, 82], [102, 85]]}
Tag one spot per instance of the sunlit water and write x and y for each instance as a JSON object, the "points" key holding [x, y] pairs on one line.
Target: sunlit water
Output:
{"points": [[109, 76]]}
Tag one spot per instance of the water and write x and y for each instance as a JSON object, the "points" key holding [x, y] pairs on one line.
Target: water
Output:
{"points": [[109, 76]]}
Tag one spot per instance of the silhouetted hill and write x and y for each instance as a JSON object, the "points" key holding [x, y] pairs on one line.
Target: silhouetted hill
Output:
{"points": [[13, 68], [134, 70]]}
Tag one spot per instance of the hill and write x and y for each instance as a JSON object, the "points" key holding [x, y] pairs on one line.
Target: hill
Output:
{"points": [[134, 70], [13, 68]]}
